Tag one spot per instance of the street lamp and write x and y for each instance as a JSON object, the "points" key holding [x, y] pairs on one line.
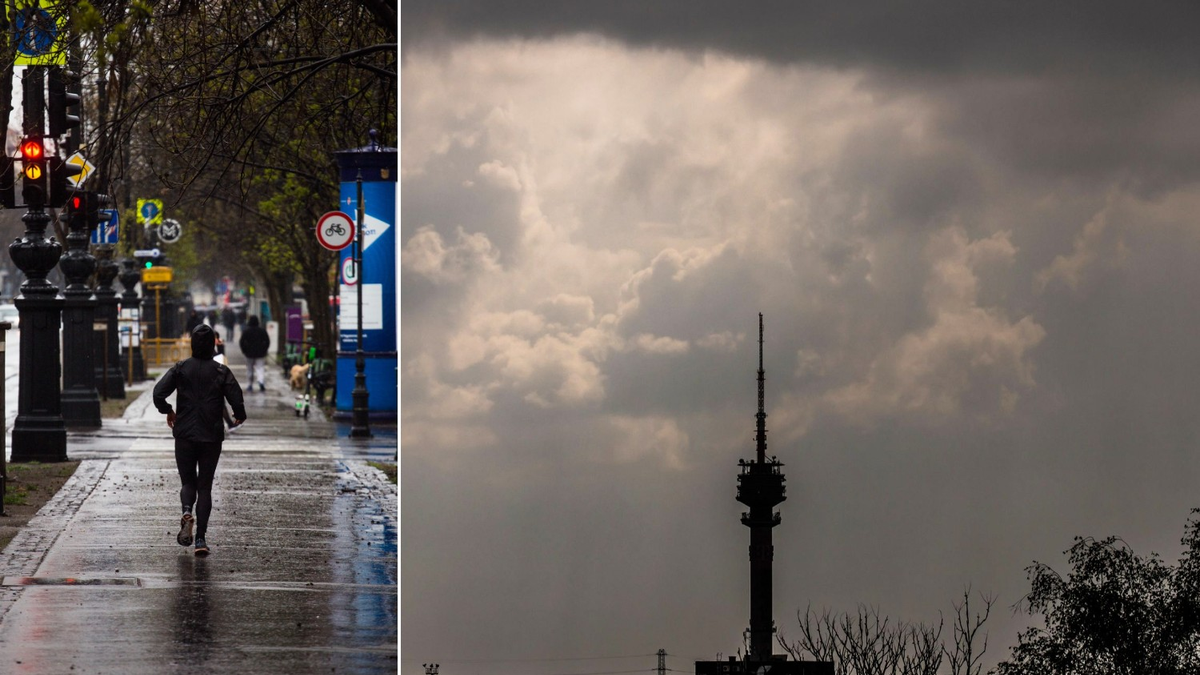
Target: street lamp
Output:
{"points": [[359, 426]]}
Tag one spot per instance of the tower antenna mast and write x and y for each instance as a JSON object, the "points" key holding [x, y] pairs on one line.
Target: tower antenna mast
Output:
{"points": [[761, 435], [760, 487]]}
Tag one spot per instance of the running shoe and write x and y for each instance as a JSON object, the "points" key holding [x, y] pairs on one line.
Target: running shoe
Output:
{"points": [[185, 530], [201, 547]]}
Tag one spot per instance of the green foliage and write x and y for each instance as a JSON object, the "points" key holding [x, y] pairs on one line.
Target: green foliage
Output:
{"points": [[230, 112], [86, 18], [1115, 613]]}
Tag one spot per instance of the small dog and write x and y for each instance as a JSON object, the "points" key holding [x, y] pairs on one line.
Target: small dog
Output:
{"points": [[299, 373]]}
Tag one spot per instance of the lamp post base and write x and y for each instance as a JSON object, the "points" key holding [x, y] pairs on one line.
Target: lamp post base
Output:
{"points": [[37, 438], [81, 409], [39, 433], [80, 400], [360, 426]]}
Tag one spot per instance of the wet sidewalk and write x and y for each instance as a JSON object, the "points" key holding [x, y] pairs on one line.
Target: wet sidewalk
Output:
{"points": [[303, 572]]}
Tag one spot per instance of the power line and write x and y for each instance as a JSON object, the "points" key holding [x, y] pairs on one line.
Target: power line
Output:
{"points": [[611, 672], [546, 660]]}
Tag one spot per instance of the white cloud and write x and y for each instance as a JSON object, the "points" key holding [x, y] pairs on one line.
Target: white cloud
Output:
{"points": [[660, 345], [658, 438], [500, 175], [724, 341], [568, 311], [428, 255], [1098, 246], [967, 359]]}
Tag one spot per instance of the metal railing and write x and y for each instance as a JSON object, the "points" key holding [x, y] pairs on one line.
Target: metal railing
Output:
{"points": [[166, 351]]}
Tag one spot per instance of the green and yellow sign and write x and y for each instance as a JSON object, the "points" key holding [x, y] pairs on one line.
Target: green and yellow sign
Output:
{"points": [[149, 211], [38, 29]]}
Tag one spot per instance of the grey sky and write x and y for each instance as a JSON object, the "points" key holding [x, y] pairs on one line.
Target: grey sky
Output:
{"points": [[973, 236]]}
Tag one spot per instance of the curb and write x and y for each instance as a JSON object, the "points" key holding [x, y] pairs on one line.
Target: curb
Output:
{"points": [[24, 554]]}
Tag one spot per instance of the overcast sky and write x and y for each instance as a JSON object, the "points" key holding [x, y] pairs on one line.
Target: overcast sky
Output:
{"points": [[973, 230]]}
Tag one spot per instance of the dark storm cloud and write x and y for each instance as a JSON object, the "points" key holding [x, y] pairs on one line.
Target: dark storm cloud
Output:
{"points": [[1151, 39], [974, 245], [1073, 90]]}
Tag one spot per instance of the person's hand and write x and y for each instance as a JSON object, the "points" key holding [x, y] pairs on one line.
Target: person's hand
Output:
{"points": [[237, 422], [171, 420]]}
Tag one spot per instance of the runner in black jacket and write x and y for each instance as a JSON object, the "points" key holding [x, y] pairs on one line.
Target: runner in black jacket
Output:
{"points": [[203, 386]]}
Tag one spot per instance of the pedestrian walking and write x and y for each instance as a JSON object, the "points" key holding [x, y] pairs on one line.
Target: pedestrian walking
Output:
{"points": [[194, 319], [254, 343], [203, 387], [229, 320]]}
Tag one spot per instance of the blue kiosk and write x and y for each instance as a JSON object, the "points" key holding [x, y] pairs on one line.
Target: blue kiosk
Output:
{"points": [[377, 167]]}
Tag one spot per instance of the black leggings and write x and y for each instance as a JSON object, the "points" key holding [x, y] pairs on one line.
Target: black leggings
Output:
{"points": [[197, 489]]}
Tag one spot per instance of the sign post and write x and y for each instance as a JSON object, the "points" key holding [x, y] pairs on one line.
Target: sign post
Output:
{"points": [[85, 169], [170, 231], [359, 424], [109, 230], [335, 230], [149, 211]]}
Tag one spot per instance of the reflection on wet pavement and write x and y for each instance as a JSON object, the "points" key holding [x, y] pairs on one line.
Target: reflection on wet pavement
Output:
{"points": [[302, 577]]}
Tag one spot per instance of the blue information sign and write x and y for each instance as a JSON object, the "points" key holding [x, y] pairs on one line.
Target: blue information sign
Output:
{"points": [[109, 230], [376, 281]]}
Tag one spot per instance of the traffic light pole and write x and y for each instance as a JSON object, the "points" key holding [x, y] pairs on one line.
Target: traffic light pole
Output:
{"points": [[80, 400], [38, 432], [108, 373], [131, 305]]}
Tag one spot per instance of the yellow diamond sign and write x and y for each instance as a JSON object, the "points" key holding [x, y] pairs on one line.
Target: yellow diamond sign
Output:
{"points": [[85, 169]]}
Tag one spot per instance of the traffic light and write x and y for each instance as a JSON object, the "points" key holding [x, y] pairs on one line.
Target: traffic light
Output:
{"points": [[83, 210], [62, 107], [33, 170], [60, 171], [62, 104]]}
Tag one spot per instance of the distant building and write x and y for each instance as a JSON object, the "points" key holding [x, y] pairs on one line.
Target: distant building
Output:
{"points": [[760, 487]]}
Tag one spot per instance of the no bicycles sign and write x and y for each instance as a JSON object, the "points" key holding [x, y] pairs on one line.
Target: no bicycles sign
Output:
{"points": [[335, 230]]}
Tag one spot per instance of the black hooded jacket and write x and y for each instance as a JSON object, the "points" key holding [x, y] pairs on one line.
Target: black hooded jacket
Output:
{"points": [[255, 341], [203, 385]]}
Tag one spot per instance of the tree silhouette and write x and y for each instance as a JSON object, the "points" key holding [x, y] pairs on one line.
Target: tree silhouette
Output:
{"points": [[868, 643], [1115, 612]]}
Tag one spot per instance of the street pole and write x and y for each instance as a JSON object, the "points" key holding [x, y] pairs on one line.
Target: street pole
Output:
{"points": [[131, 307], [359, 426], [80, 401], [38, 433], [157, 327], [108, 373]]}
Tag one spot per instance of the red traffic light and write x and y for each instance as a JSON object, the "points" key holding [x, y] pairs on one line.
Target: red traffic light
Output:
{"points": [[76, 203], [32, 150]]}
